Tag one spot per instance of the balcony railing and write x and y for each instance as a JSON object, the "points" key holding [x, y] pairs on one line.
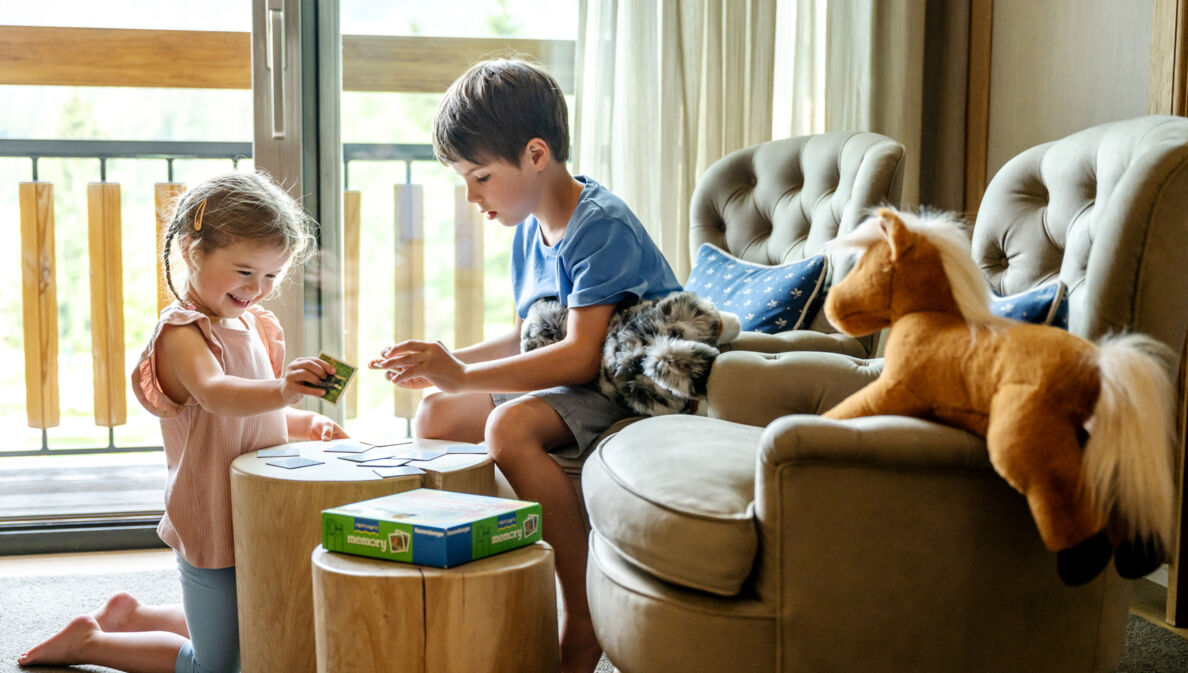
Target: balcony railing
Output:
{"points": [[40, 300]]}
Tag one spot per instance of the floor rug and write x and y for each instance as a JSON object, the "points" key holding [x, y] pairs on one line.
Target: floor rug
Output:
{"points": [[33, 608]]}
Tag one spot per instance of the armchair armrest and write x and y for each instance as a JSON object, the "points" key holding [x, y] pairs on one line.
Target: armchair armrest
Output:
{"points": [[875, 442], [757, 388], [857, 516], [801, 340]]}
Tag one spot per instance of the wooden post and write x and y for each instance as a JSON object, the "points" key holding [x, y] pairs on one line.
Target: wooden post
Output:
{"points": [[351, 223], [39, 304], [165, 195], [107, 303], [1176, 602], [468, 271], [977, 103], [410, 280]]}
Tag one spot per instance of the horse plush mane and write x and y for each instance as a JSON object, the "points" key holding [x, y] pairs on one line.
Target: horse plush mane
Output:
{"points": [[1084, 431]]}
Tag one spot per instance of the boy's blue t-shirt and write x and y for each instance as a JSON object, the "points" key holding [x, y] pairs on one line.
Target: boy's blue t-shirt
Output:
{"points": [[604, 257]]}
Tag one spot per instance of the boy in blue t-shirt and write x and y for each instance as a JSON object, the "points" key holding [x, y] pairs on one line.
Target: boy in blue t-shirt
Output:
{"points": [[503, 127]]}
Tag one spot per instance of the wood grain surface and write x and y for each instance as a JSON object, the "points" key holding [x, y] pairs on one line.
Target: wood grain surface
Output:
{"points": [[493, 615]]}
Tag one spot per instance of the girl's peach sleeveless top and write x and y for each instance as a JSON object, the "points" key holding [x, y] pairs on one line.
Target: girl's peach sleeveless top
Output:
{"points": [[199, 445]]}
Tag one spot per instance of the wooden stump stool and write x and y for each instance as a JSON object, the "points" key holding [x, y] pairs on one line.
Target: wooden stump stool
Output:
{"points": [[277, 519], [494, 615]]}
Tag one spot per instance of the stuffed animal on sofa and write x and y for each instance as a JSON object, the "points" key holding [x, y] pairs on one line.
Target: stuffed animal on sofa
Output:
{"points": [[1084, 431], [658, 352]]}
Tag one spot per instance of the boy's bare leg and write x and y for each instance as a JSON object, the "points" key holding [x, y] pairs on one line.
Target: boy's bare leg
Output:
{"points": [[519, 434], [124, 613], [83, 642], [460, 417]]}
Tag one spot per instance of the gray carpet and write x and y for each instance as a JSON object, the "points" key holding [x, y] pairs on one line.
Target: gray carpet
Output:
{"points": [[33, 608]]}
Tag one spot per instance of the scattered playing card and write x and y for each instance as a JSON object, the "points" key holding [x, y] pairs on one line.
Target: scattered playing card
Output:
{"points": [[336, 383], [420, 454], [395, 443], [361, 458], [405, 470], [294, 462], [279, 452], [388, 462], [345, 446], [467, 448]]}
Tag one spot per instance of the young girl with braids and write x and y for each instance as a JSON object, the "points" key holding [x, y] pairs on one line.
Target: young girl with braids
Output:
{"points": [[214, 373]]}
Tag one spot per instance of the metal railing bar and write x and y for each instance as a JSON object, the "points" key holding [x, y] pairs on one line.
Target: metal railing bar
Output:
{"points": [[76, 452], [388, 152], [199, 149], [123, 149]]}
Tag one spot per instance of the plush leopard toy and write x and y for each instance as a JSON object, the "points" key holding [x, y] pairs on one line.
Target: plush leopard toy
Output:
{"points": [[658, 352]]}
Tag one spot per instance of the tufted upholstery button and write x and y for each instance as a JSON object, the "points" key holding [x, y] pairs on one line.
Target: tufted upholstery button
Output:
{"points": [[1003, 262], [754, 180]]}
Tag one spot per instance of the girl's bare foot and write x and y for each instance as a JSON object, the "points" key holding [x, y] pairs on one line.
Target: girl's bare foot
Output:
{"points": [[117, 614], [66, 647]]}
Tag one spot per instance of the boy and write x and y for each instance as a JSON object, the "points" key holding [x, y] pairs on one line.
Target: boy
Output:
{"points": [[503, 126]]}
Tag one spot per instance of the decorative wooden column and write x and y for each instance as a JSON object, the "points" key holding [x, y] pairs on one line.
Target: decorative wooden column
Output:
{"points": [[107, 302], [165, 196], [410, 280], [1167, 93], [39, 304], [351, 224], [468, 271]]}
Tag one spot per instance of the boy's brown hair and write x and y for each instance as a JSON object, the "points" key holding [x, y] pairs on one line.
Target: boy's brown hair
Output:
{"points": [[492, 111]]}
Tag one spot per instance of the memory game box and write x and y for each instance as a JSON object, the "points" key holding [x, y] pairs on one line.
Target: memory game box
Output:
{"points": [[430, 527]]}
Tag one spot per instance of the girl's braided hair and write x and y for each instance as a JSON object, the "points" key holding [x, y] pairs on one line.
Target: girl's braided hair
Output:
{"points": [[236, 207]]}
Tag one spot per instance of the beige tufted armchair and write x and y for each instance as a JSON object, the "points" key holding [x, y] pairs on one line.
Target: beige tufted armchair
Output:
{"points": [[752, 540], [782, 201]]}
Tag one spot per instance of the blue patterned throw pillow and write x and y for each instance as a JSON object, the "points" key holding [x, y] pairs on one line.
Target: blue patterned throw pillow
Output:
{"points": [[1043, 305], [765, 298]]}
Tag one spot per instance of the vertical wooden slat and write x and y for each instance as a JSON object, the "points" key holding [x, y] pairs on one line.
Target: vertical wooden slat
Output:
{"points": [[39, 304], [1167, 84], [165, 196], [1176, 602], [351, 220], [410, 279], [468, 271], [107, 302]]}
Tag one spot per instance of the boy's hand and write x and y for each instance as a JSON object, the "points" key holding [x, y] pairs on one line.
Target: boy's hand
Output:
{"points": [[321, 427], [420, 364], [304, 376]]}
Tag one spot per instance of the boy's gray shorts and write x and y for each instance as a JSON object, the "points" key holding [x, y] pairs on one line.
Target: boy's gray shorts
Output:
{"points": [[585, 411]]}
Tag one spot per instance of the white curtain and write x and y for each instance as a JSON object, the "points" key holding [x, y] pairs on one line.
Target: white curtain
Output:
{"points": [[666, 87]]}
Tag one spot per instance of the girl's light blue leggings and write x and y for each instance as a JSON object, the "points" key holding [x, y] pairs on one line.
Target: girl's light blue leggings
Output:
{"points": [[208, 598]]}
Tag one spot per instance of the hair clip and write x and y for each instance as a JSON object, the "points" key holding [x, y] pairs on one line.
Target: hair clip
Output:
{"points": [[198, 216]]}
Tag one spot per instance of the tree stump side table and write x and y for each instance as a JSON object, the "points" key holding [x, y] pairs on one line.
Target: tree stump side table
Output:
{"points": [[494, 615], [277, 518]]}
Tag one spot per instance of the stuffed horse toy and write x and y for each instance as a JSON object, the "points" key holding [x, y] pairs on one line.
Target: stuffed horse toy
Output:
{"points": [[1084, 431], [658, 352]]}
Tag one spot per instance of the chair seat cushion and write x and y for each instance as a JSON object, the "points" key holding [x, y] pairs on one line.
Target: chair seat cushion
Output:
{"points": [[674, 495]]}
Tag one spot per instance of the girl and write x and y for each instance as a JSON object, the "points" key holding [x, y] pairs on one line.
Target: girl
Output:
{"points": [[210, 372]]}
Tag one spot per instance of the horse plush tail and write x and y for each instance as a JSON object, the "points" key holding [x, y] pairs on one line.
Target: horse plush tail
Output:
{"points": [[1128, 458]]}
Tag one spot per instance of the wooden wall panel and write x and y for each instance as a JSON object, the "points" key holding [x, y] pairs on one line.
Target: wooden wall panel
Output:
{"points": [[122, 57], [351, 246], [165, 195], [107, 302], [39, 304], [1167, 88], [977, 110], [468, 271], [222, 60], [409, 270]]}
